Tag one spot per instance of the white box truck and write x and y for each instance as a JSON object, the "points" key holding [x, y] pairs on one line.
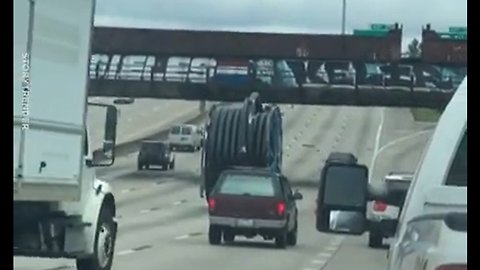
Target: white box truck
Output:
{"points": [[60, 209]]}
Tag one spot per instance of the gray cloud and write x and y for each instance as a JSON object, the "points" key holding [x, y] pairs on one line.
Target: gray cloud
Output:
{"points": [[301, 16]]}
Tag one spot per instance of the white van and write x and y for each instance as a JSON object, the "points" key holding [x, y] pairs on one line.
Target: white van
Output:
{"points": [[185, 137]]}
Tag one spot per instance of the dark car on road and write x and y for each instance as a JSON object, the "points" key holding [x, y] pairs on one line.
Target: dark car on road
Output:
{"points": [[251, 202], [155, 153]]}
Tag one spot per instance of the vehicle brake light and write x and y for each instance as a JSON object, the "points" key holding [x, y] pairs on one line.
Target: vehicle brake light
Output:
{"points": [[281, 208], [452, 267], [379, 206], [212, 204]]}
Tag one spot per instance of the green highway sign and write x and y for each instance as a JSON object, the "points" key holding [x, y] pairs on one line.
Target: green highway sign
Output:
{"points": [[457, 29], [381, 27], [450, 35], [370, 33]]}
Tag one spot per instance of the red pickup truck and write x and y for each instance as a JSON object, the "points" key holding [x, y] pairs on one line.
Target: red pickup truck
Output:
{"points": [[251, 202]]}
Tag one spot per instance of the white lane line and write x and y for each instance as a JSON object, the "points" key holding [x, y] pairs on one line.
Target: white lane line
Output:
{"points": [[337, 241], [181, 237], [331, 248], [377, 141], [125, 252], [179, 202], [324, 254], [392, 143], [144, 211], [309, 269], [319, 261]]}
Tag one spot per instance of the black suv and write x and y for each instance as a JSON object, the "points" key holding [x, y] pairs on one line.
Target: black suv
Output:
{"points": [[252, 202], [155, 153]]}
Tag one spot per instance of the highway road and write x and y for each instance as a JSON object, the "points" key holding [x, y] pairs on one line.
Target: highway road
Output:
{"points": [[163, 222], [144, 116]]}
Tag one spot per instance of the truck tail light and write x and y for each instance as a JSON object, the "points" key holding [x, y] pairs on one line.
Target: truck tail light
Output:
{"points": [[281, 208], [212, 204], [452, 267], [379, 206]]}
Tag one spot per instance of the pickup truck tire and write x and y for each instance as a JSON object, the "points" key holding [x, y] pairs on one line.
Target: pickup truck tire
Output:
{"points": [[293, 236], [214, 235], [375, 239], [103, 251], [172, 165], [281, 240], [139, 166]]}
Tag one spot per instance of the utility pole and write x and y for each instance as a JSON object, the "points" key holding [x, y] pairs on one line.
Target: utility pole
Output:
{"points": [[344, 15]]}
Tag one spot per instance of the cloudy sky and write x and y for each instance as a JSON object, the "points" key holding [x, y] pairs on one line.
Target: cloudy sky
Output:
{"points": [[288, 16]]}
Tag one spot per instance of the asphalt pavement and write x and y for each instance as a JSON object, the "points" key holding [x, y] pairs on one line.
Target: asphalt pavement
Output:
{"points": [[163, 221]]}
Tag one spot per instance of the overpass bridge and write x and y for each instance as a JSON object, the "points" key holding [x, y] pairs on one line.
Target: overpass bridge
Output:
{"points": [[362, 69]]}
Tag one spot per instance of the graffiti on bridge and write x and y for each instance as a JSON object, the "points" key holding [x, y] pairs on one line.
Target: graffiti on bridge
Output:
{"points": [[407, 74]]}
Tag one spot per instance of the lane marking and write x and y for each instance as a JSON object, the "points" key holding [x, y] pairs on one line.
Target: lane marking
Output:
{"points": [[319, 261], [182, 237], [331, 248], [144, 211], [179, 202], [128, 190], [325, 254], [125, 252], [393, 143], [61, 267], [377, 142]]}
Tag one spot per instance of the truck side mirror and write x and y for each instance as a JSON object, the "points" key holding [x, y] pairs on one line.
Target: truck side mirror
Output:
{"points": [[342, 199], [297, 195], [106, 156]]}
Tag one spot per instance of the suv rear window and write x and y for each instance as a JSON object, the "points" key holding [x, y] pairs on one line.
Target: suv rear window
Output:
{"points": [[253, 185], [153, 147]]}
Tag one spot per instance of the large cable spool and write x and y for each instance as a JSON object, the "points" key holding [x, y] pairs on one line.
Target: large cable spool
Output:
{"points": [[242, 134]]}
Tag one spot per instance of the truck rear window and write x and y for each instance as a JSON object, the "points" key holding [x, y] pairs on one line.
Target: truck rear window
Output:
{"points": [[186, 131], [175, 130], [251, 185]]}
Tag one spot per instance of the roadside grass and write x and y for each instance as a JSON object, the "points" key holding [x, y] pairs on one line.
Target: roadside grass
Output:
{"points": [[425, 115]]}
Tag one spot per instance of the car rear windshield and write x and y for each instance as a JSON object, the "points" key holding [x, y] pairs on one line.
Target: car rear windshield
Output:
{"points": [[175, 130], [252, 185], [186, 130], [153, 147]]}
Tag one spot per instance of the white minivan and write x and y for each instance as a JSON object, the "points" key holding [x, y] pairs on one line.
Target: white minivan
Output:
{"points": [[188, 137]]}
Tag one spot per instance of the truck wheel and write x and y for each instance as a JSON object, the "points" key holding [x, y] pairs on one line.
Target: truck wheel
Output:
{"points": [[375, 239], [172, 165], [147, 166], [139, 166], [214, 235], [281, 240], [104, 244], [293, 236]]}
